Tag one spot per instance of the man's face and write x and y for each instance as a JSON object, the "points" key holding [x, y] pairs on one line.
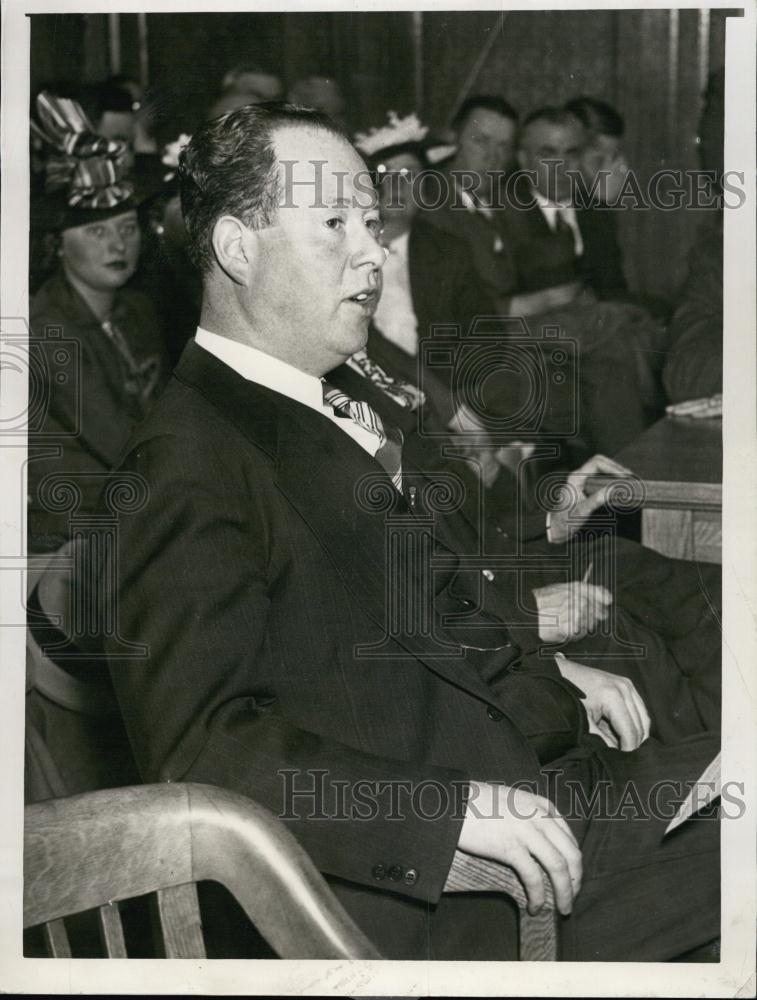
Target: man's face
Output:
{"points": [[102, 255], [316, 270], [603, 156], [486, 142], [549, 152]]}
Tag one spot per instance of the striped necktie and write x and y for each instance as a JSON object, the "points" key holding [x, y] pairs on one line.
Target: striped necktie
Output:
{"points": [[389, 453]]}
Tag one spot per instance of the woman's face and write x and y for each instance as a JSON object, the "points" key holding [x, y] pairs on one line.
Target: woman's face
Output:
{"points": [[103, 255]]}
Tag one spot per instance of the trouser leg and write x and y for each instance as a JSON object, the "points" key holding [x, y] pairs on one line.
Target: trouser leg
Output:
{"points": [[644, 896]]}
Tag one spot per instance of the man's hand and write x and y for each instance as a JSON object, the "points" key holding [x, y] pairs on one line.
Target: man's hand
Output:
{"points": [[564, 523], [525, 831], [701, 409], [614, 707], [570, 610]]}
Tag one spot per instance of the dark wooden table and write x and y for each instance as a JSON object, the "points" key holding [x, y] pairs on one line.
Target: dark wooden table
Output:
{"points": [[680, 461]]}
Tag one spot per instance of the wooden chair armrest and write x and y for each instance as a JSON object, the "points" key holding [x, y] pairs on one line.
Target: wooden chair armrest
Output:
{"points": [[538, 932]]}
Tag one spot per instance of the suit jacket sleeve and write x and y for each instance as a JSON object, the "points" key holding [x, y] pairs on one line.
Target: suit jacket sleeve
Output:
{"points": [[194, 588]]}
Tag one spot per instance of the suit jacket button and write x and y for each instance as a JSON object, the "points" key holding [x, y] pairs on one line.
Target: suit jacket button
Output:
{"points": [[487, 575], [501, 531], [395, 873], [379, 872], [411, 876], [494, 713]]}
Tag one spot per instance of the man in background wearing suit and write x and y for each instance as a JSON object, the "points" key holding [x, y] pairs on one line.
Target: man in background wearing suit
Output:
{"points": [[256, 578]]}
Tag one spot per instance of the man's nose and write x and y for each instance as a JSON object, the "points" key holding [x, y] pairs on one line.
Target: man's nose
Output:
{"points": [[368, 251]]}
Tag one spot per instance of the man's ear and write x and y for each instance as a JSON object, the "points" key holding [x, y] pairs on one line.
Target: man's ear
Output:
{"points": [[234, 246]]}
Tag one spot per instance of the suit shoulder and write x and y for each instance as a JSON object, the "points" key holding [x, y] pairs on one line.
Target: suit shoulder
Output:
{"points": [[183, 421]]}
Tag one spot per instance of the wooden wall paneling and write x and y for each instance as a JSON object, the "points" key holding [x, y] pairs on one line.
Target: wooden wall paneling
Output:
{"points": [[374, 55], [548, 58], [452, 42], [308, 48], [57, 48], [96, 63], [129, 45], [683, 130], [189, 55], [644, 48], [536, 58], [662, 58]]}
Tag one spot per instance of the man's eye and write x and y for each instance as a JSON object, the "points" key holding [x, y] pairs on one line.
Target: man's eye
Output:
{"points": [[96, 231], [375, 226], [128, 230], [334, 223]]}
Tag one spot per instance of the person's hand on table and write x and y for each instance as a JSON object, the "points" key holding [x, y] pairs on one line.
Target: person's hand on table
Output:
{"points": [[705, 406], [525, 831], [563, 524], [570, 610], [614, 707]]}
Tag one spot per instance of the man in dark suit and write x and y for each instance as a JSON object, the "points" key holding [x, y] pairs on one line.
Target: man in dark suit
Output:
{"points": [[538, 259], [256, 578], [554, 238]]}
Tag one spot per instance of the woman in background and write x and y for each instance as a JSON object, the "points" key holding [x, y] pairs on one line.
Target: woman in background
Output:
{"points": [[96, 343]]}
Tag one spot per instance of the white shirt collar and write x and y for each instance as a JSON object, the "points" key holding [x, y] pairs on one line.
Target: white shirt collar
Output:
{"points": [[471, 205], [273, 373], [257, 366], [553, 206]]}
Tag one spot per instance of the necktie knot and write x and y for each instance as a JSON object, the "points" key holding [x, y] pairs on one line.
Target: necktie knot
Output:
{"points": [[389, 451]]}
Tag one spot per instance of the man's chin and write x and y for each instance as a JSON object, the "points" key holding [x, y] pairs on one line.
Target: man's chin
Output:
{"points": [[355, 338]]}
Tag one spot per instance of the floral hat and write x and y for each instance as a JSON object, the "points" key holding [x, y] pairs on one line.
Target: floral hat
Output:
{"points": [[401, 135]]}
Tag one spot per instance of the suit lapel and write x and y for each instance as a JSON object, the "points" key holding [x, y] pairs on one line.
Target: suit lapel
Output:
{"points": [[320, 469], [422, 455]]}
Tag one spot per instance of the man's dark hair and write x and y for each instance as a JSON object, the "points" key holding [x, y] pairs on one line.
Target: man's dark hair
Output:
{"points": [[489, 102], [230, 168], [597, 116]]}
